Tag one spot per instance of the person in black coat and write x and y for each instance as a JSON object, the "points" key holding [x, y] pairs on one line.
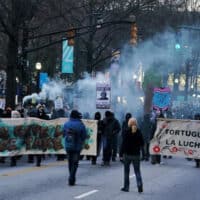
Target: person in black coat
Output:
{"points": [[156, 159], [42, 115], [197, 161], [130, 149], [100, 128], [111, 130], [124, 128]]}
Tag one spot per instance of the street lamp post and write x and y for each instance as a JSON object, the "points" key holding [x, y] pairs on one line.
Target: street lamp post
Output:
{"points": [[38, 67]]}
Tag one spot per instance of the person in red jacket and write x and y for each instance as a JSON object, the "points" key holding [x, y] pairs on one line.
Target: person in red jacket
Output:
{"points": [[130, 149]]}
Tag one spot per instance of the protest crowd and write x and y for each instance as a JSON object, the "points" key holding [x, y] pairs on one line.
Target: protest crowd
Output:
{"points": [[125, 140]]}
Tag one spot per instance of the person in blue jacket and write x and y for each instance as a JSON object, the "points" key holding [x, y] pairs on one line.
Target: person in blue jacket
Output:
{"points": [[75, 135]]}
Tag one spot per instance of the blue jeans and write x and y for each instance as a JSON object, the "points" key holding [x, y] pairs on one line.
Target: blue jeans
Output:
{"points": [[73, 160], [135, 160]]}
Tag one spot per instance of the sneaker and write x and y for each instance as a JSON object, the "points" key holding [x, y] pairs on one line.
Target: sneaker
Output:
{"points": [[140, 189], [125, 189], [71, 183]]}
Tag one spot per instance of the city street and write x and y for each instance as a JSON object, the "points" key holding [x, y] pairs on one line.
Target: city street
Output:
{"points": [[176, 178], [99, 77]]}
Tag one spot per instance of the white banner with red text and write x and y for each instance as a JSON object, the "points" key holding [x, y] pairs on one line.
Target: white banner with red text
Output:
{"points": [[176, 138]]}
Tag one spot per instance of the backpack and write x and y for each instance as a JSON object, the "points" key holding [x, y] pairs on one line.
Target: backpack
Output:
{"points": [[71, 139]]}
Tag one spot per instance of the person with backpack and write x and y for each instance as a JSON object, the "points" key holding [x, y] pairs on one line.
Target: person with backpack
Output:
{"points": [[75, 135]]}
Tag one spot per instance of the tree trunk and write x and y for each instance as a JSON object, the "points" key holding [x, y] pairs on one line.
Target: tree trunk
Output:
{"points": [[11, 73], [148, 99]]}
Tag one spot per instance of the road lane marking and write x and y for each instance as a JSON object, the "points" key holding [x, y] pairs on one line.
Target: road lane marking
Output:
{"points": [[131, 176], [86, 194], [32, 169]]}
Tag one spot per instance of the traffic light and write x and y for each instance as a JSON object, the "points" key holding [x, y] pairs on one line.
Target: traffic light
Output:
{"points": [[177, 41], [134, 31], [177, 46], [70, 37]]}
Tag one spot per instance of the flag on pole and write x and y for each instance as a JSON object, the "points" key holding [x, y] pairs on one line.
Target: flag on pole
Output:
{"points": [[67, 58], [43, 79]]}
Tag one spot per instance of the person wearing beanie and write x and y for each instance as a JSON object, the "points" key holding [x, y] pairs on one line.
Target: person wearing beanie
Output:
{"points": [[130, 150], [124, 128], [75, 135]]}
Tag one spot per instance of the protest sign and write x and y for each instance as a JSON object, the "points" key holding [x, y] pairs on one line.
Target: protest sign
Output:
{"points": [[177, 137], [103, 95], [35, 136], [161, 98]]}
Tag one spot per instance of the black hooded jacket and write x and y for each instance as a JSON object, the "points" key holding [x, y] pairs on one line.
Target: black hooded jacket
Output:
{"points": [[132, 143]]}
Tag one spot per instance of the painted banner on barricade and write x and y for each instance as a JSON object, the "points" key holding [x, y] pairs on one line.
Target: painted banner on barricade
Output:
{"points": [[35, 136], [177, 137]]}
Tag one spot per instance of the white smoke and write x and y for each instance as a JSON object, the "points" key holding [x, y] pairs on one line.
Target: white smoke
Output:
{"points": [[50, 91], [158, 52], [125, 75]]}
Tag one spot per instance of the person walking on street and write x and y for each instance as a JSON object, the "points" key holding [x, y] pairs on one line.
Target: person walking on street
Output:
{"points": [[156, 159], [116, 130], [130, 149], [146, 129], [124, 128], [108, 137], [100, 128], [75, 135]]}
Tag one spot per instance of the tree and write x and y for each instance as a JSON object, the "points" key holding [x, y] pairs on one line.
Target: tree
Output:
{"points": [[151, 80]]}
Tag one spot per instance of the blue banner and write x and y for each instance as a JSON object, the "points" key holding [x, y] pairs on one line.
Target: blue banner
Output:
{"points": [[67, 58], [43, 79]]}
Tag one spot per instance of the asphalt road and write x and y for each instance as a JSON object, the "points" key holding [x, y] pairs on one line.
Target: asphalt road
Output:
{"points": [[176, 179]]}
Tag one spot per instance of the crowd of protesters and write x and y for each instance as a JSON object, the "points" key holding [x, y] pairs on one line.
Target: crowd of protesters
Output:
{"points": [[124, 140]]}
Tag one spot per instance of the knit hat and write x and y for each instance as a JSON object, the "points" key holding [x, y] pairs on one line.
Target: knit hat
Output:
{"points": [[75, 114]]}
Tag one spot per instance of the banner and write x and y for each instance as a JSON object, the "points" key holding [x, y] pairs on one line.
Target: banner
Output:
{"points": [[43, 79], [67, 58], [35, 136], [177, 138], [161, 98], [103, 94], [58, 103]]}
